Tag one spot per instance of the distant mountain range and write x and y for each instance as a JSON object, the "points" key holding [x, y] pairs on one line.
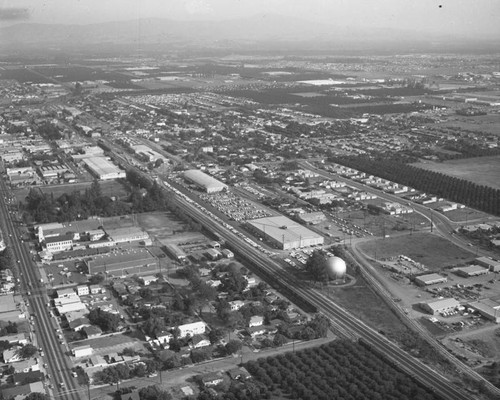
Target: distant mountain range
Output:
{"points": [[268, 29]]}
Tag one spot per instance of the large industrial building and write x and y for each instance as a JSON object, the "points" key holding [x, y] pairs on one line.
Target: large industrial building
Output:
{"points": [[430, 279], [285, 233], [103, 169], [203, 181], [493, 265], [127, 263], [471, 270], [440, 306], [488, 308]]}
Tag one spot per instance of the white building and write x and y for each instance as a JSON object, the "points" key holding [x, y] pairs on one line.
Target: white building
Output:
{"points": [[82, 351], [195, 328], [82, 290]]}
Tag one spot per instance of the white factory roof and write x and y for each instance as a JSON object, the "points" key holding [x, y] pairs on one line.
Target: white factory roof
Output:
{"points": [[443, 304], [101, 166], [283, 229], [202, 179]]}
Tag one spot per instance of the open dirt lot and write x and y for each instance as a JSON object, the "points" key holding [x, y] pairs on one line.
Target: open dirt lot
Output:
{"points": [[425, 248]]}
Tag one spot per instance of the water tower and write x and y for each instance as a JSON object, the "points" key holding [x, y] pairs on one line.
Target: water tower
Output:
{"points": [[336, 268]]}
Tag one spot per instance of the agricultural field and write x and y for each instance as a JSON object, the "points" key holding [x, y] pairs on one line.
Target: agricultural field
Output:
{"points": [[428, 249], [337, 370], [480, 170]]}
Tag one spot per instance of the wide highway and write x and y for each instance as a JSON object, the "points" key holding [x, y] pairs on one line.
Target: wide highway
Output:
{"points": [[58, 369], [341, 317]]}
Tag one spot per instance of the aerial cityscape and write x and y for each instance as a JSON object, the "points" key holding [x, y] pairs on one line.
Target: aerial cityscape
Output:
{"points": [[218, 200]]}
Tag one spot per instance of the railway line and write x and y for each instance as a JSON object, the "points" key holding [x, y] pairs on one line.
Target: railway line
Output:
{"points": [[346, 324]]}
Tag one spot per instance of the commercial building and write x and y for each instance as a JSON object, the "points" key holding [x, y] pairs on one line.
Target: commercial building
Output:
{"points": [[284, 233], [203, 181], [103, 169], [471, 270], [82, 351], [440, 306], [59, 243], [492, 265], [430, 279]]}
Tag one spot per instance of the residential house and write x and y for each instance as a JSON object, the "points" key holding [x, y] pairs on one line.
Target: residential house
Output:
{"points": [[199, 341]]}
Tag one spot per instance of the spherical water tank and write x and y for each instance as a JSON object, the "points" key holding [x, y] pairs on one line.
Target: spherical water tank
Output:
{"points": [[335, 267]]}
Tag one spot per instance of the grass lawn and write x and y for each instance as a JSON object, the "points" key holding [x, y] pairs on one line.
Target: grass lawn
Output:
{"points": [[428, 249]]}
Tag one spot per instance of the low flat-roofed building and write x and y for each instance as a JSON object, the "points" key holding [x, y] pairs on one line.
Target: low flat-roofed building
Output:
{"points": [[82, 351], [8, 308], [66, 293], [204, 181], [492, 265], [103, 169], [312, 218], [487, 308], [430, 279], [129, 234], [471, 270], [440, 306], [176, 252], [20, 338], [130, 262], [285, 233]]}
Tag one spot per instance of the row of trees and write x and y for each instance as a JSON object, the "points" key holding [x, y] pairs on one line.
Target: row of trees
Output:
{"points": [[117, 373], [338, 370], [481, 197]]}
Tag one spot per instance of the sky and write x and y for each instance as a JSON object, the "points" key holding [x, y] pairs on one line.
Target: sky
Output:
{"points": [[465, 18]]}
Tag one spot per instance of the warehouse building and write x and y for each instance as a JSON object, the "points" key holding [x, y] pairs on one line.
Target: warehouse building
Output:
{"points": [[126, 263], [430, 279], [440, 306], [103, 169], [203, 181], [492, 265], [129, 234], [471, 270], [176, 252], [284, 233], [488, 308]]}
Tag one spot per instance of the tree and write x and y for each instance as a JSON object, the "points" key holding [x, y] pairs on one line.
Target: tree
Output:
{"points": [[320, 323], [279, 340], [233, 346], [153, 393], [27, 351], [215, 335], [37, 396], [316, 266], [96, 279], [106, 321]]}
